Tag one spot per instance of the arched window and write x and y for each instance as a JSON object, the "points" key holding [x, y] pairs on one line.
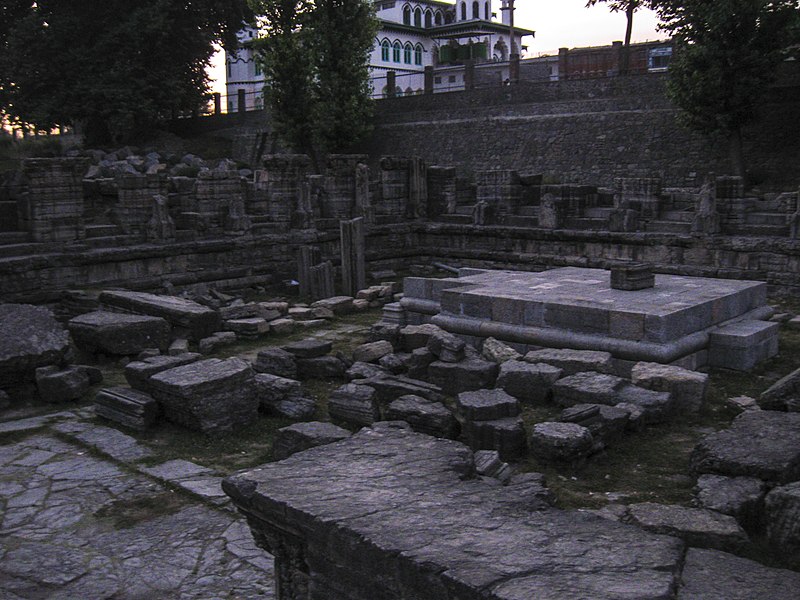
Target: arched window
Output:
{"points": [[486, 15], [428, 18], [409, 91], [406, 15], [408, 50], [449, 17], [438, 19], [418, 54], [418, 17], [385, 46], [463, 11], [396, 51], [476, 11]]}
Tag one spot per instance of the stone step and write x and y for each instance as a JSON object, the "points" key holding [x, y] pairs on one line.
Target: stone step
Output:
{"points": [[521, 221], [585, 223], [13, 237], [598, 212], [528, 211], [765, 218], [756, 230], [464, 210], [99, 231], [266, 227], [11, 250], [456, 219], [111, 241], [669, 227], [681, 216]]}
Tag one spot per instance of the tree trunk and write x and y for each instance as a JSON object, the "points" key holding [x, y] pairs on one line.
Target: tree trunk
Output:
{"points": [[737, 155], [624, 68]]}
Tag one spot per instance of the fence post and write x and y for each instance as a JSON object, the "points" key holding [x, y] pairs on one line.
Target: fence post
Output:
{"points": [[563, 58], [429, 79], [513, 69], [242, 100], [469, 74], [391, 84], [217, 103]]}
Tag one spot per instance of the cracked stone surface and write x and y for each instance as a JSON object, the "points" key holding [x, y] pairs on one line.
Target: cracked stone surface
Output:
{"points": [[73, 525]]}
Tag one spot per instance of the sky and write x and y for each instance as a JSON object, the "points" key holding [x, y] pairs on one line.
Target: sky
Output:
{"points": [[557, 23]]}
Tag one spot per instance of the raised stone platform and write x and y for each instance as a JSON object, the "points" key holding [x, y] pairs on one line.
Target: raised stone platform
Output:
{"points": [[577, 308]]}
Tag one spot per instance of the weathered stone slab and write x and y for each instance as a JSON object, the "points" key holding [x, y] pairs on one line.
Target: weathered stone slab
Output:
{"points": [[782, 516], [340, 305], [131, 408], [138, 373], [606, 423], [469, 374], [488, 464], [57, 384], [32, 338], [527, 382], [210, 395], [588, 388], [742, 345], [309, 348], [372, 352], [764, 444], [687, 388], [561, 442], [486, 405], [715, 575], [436, 534], [739, 497], [697, 526], [496, 351], [249, 327], [199, 320], [321, 367], [416, 336], [507, 436], [446, 347], [362, 370], [393, 387], [117, 333], [273, 389], [356, 404], [782, 395], [572, 361], [276, 361], [424, 416], [302, 436], [656, 406]]}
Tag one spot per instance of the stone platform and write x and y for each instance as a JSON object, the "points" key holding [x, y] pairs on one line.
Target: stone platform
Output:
{"points": [[678, 321]]}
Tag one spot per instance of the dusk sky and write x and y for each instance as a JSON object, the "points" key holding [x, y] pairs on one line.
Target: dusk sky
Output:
{"points": [[558, 23]]}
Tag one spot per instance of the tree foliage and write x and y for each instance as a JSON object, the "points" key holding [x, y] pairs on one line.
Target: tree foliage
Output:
{"points": [[726, 54], [115, 67], [323, 99]]}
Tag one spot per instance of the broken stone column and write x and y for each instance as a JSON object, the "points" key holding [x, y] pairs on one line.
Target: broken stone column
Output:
{"points": [[307, 257], [51, 209], [160, 227], [551, 212], [321, 278], [441, 190], [706, 217], [352, 251], [237, 220], [363, 206], [484, 213], [417, 189]]}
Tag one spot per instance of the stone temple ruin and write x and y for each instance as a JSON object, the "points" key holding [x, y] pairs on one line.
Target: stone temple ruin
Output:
{"points": [[604, 307]]}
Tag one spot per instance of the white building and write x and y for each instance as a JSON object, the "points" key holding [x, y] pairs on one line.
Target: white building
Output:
{"points": [[413, 34]]}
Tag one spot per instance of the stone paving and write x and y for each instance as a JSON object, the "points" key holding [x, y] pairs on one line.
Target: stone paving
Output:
{"points": [[76, 523]]}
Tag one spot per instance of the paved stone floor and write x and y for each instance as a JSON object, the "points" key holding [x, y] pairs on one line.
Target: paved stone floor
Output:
{"points": [[76, 524]]}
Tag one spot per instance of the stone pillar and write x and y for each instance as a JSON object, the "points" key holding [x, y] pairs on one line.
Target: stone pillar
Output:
{"points": [[469, 74], [217, 103], [339, 182], [242, 100], [51, 209], [441, 190], [307, 257], [706, 218], [429, 79], [417, 189], [394, 188], [321, 281], [617, 59], [563, 63], [363, 207], [551, 213], [513, 69], [160, 227], [354, 276], [391, 84]]}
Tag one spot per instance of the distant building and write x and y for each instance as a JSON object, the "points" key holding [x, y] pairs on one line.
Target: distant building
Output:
{"points": [[413, 34], [605, 61]]}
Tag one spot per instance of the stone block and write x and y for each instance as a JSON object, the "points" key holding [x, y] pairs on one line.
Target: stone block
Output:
{"points": [[418, 363], [782, 516], [302, 436], [273, 389], [739, 497], [393, 387], [496, 351], [416, 336], [362, 370], [486, 405], [469, 374], [178, 347], [211, 396], [657, 406], [355, 404], [372, 352], [446, 347], [568, 443], [119, 334], [128, 407], [698, 527], [782, 395], [309, 348], [507, 436], [250, 327], [741, 346], [527, 382], [276, 361], [572, 361], [395, 363], [632, 276], [321, 367], [57, 384], [606, 423], [282, 326], [424, 416], [339, 305], [588, 388], [138, 373], [687, 388]]}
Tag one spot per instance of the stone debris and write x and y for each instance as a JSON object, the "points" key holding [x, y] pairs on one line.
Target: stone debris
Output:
{"points": [[199, 321], [572, 361], [742, 403], [138, 373], [276, 361], [657, 406], [57, 384], [339, 305], [355, 404], [215, 341], [687, 388], [739, 497], [530, 383], [282, 326], [249, 328], [418, 363], [446, 347], [309, 348], [362, 370], [211, 396], [763, 444], [416, 336], [32, 338], [496, 351], [699, 527], [567, 443], [469, 374], [129, 407], [607, 424], [302, 436], [178, 347], [395, 363], [486, 405], [424, 416], [488, 464], [393, 387], [782, 395], [272, 390], [321, 367], [372, 352], [507, 436], [119, 334], [782, 517], [588, 388]]}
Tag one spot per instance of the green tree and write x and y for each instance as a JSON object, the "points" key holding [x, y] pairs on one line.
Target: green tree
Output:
{"points": [[628, 7], [726, 54], [316, 63], [114, 68]]}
